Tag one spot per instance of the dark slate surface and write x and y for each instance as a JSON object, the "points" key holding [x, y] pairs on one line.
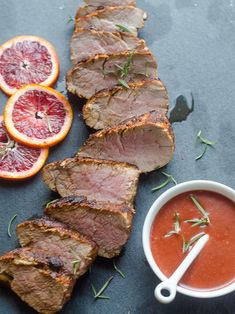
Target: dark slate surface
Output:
{"points": [[194, 43]]}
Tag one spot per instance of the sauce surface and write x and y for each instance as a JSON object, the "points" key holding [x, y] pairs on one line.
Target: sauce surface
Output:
{"points": [[215, 265]]}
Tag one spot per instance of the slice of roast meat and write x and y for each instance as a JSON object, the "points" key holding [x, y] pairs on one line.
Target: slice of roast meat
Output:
{"points": [[98, 180], [111, 18], [105, 72], [36, 280], [101, 4], [146, 142], [106, 224], [87, 44], [55, 239], [109, 108]]}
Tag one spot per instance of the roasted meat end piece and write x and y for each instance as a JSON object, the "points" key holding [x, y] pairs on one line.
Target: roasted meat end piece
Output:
{"points": [[106, 224], [55, 239], [36, 280], [110, 108], [109, 18], [98, 180], [146, 142], [87, 44], [105, 72], [100, 5]]}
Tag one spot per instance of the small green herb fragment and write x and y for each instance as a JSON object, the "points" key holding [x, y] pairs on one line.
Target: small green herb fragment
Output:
{"points": [[9, 225], [70, 19], [46, 204], [200, 208], [123, 83], [76, 265], [176, 226], [187, 245], [169, 179], [118, 270], [123, 28], [98, 295], [204, 141]]}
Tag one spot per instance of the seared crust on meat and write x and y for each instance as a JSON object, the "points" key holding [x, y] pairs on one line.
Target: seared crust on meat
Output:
{"points": [[111, 107], [129, 16], [38, 281], [87, 43], [107, 224], [107, 71], [123, 136]]}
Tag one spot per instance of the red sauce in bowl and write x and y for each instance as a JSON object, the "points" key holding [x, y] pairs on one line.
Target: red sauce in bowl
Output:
{"points": [[214, 268]]}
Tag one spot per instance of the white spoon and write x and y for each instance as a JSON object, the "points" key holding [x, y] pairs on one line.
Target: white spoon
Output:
{"points": [[170, 284]]}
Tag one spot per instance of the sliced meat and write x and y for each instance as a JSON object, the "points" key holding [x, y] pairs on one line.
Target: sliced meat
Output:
{"points": [[107, 224], [109, 108], [36, 280], [109, 18], [98, 180], [87, 44], [54, 239], [101, 4], [146, 142], [104, 72]]}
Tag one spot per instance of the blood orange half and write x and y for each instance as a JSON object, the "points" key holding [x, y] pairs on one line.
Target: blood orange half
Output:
{"points": [[38, 116], [27, 60], [18, 161]]}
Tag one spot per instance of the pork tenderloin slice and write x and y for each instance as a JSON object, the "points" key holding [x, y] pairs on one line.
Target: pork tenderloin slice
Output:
{"points": [[109, 18], [104, 72], [55, 239], [96, 179], [146, 142], [110, 108], [101, 4], [36, 280], [87, 44], [106, 224]]}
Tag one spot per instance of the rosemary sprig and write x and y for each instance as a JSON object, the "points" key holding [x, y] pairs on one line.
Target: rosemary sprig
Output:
{"points": [[70, 19], [176, 226], [205, 140], [169, 179], [123, 83], [197, 222], [124, 70], [49, 124], [123, 28], [202, 154], [187, 245], [98, 295], [200, 208], [9, 225], [76, 264], [118, 270]]}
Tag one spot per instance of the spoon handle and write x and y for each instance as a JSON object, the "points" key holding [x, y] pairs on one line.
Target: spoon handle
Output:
{"points": [[170, 284]]}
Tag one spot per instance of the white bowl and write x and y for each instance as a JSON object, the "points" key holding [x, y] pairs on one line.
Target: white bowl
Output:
{"points": [[158, 204]]}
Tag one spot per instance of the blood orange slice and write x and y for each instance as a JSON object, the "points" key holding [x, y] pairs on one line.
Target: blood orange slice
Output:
{"points": [[38, 116], [27, 60], [18, 161]]}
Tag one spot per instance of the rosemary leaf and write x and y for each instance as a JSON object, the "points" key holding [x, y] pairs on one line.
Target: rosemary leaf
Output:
{"points": [[70, 19], [46, 204], [168, 180], [99, 293], [123, 83], [123, 28], [205, 140], [49, 124], [202, 154], [76, 265], [9, 225], [118, 270], [200, 208], [124, 70], [187, 245], [93, 290], [176, 227]]}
